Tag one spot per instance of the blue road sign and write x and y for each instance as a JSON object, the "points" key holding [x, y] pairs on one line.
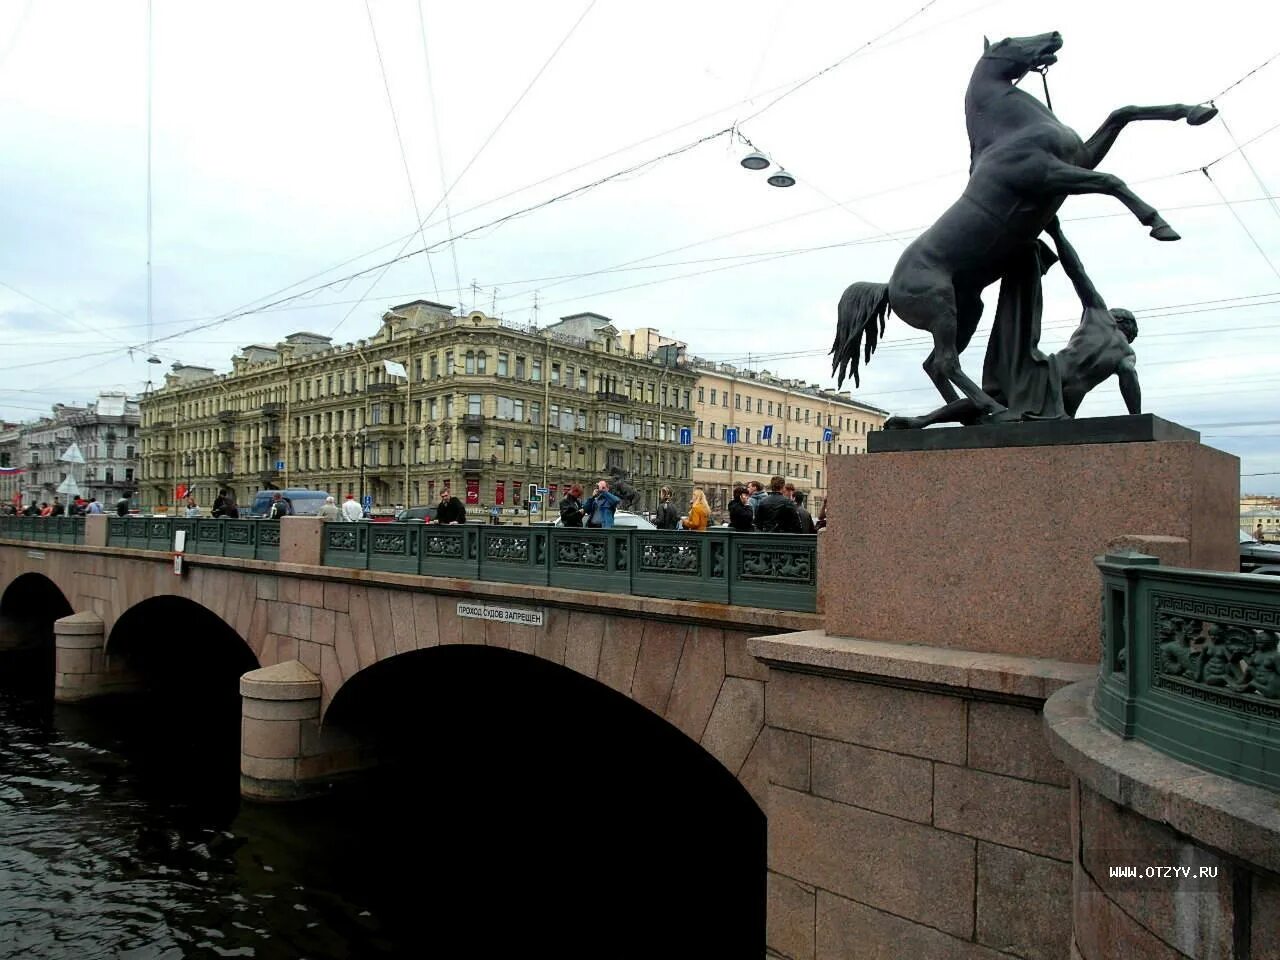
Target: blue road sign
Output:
{"points": [[686, 436], [279, 464], [367, 501], [826, 435], [730, 434], [768, 432]]}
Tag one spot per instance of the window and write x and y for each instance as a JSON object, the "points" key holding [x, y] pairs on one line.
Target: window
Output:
{"points": [[664, 396], [759, 405], [817, 478], [535, 374], [533, 453], [699, 428], [699, 460], [473, 446], [448, 405], [500, 449], [613, 423], [771, 408], [519, 368], [433, 409], [555, 374], [686, 400], [582, 378], [470, 362], [473, 404], [712, 432], [735, 463], [502, 365], [435, 366], [517, 411], [448, 363], [806, 416], [482, 362], [737, 401], [713, 396], [724, 399], [568, 377], [417, 372], [535, 414]]}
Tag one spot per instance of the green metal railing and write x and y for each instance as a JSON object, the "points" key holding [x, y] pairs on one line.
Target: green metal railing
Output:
{"points": [[1190, 665], [771, 570], [43, 529], [778, 571]]}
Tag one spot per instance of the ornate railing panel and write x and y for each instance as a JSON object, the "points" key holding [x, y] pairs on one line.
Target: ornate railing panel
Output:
{"points": [[590, 559], [452, 550], [346, 545], [1190, 665], [392, 546], [680, 565], [239, 538], [514, 554], [268, 545], [779, 571]]}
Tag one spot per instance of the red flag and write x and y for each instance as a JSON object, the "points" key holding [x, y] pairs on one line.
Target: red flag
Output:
{"points": [[181, 492]]}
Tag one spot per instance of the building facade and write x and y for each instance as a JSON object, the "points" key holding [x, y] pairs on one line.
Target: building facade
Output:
{"points": [[11, 463], [106, 434], [753, 426], [431, 402]]}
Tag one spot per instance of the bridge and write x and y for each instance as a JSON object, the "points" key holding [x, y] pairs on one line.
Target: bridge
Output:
{"points": [[906, 764]]}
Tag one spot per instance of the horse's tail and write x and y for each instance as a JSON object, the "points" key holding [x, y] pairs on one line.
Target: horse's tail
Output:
{"points": [[863, 306]]}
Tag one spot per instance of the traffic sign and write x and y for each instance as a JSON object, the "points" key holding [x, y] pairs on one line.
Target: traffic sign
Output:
{"points": [[768, 432], [367, 501], [543, 491], [730, 434], [826, 435], [686, 436], [279, 464]]}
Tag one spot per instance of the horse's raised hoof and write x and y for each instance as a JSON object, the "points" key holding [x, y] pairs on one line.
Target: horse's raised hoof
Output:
{"points": [[1201, 114], [1165, 232], [901, 423]]}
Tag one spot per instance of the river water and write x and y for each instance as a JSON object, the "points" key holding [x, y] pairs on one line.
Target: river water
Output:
{"points": [[110, 847]]}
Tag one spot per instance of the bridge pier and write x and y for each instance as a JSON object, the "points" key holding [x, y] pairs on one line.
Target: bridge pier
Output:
{"points": [[284, 752], [82, 669]]}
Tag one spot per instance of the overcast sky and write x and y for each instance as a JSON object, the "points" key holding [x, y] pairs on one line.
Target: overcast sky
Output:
{"points": [[277, 167]]}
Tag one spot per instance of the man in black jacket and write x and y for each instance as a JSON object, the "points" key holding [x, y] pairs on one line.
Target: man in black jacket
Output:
{"points": [[451, 509], [777, 512]]}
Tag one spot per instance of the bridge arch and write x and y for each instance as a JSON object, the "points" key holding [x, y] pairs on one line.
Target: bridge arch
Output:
{"points": [[33, 596], [29, 606], [588, 808]]}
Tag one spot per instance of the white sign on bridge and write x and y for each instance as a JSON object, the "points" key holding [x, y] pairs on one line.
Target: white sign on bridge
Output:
{"points": [[529, 617]]}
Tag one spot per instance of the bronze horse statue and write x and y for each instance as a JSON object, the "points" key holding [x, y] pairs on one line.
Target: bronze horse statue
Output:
{"points": [[1024, 163]]}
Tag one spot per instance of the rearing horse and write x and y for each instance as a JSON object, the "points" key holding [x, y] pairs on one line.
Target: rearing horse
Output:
{"points": [[1024, 163]]}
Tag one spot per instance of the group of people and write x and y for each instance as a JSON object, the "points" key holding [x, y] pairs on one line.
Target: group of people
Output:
{"points": [[781, 510], [79, 507]]}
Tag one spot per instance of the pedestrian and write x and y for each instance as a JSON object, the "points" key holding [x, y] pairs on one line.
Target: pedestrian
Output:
{"points": [[777, 512], [351, 511], [1257, 532], [58, 508], [192, 510], [667, 517], [93, 506], [494, 514], [230, 509], [601, 507], [755, 493], [45, 510], [806, 521], [451, 509], [330, 511], [822, 517], [279, 509], [740, 515], [122, 507], [571, 509], [699, 512], [219, 503]]}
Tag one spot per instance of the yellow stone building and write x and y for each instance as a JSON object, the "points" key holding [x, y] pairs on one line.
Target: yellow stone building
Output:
{"points": [[431, 401], [795, 415]]}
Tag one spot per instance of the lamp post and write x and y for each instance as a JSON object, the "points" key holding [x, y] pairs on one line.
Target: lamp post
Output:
{"points": [[362, 440], [189, 461]]}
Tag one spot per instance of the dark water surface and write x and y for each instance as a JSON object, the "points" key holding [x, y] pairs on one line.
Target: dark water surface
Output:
{"points": [[526, 824]]}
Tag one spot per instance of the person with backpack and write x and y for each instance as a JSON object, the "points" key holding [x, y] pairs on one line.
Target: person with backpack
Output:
{"points": [[279, 507], [667, 516]]}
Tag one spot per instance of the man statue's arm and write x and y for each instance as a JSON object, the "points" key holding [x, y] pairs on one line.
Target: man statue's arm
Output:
{"points": [[1129, 388], [1085, 290]]}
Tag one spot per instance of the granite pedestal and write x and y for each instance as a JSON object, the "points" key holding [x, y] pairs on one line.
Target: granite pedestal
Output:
{"points": [[990, 549]]}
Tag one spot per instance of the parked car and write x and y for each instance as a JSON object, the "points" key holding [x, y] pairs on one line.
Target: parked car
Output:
{"points": [[623, 518], [424, 514], [305, 503], [1255, 556]]}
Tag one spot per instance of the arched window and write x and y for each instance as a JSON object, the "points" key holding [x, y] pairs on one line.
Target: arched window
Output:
{"points": [[500, 449], [482, 362], [582, 458], [471, 362], [533, 453], [517, 452]]}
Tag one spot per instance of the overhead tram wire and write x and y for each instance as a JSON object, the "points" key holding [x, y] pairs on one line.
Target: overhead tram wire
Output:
{"points": [[1243, 226], [404, 158], [474, 157], [1248, 163]]}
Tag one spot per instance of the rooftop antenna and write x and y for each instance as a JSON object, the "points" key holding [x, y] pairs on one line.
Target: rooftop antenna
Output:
{"points": [[535, 308], [475, 292], [493, 304]]}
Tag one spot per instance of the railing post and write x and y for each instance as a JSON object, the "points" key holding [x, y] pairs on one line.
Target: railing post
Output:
{"points": [[1117, 692]]}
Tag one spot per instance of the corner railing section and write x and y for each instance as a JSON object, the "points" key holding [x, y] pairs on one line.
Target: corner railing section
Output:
{"points": [[43, 529], [1190, 665], [777, 571], [216, 537]]}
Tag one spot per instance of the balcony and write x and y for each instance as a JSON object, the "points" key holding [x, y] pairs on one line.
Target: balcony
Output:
{"points": [[271, 441], [472, 466], [227, 416], [272, 409], [162, 425], [374, 389], [608, 396], [473, 420], [226, 476], [268, 475], [227, 446]]}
